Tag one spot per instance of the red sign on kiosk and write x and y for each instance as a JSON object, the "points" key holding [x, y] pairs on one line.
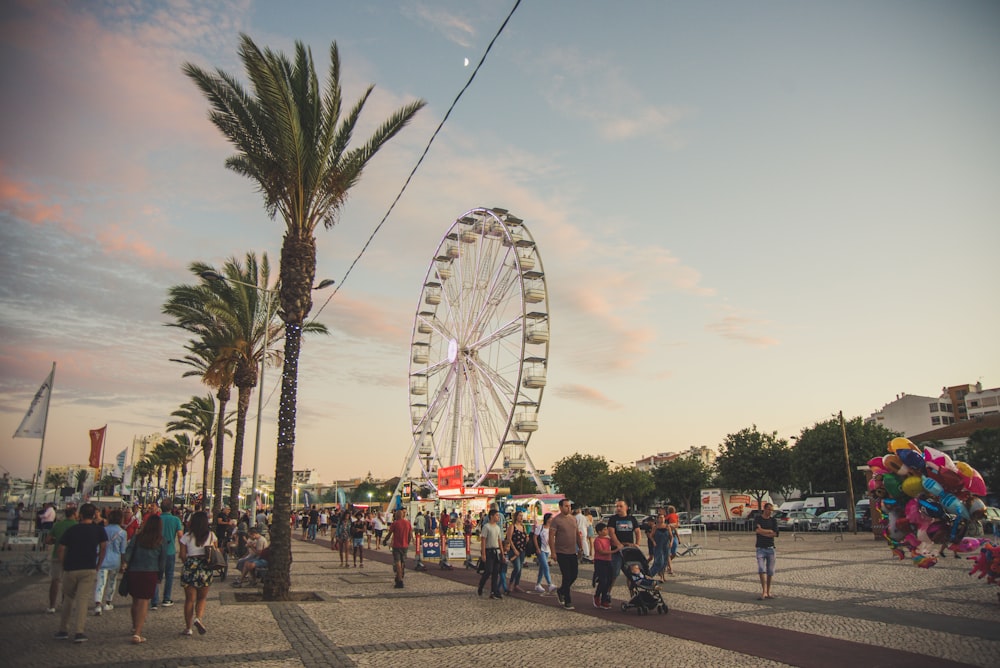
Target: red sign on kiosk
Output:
{"points": [[450, 477]]}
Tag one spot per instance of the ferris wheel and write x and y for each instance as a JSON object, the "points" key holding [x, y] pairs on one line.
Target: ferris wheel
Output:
{"points": [[479, 352]]}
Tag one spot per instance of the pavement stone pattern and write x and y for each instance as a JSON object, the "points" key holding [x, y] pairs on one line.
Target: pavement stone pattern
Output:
{"points": [[837, 600]]}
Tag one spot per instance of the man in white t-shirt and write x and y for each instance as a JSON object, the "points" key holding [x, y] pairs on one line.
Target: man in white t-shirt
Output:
{"points": [[581, 526]]}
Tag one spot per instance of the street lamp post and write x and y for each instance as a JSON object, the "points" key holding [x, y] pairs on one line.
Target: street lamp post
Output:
{"points": [[215, 276]]}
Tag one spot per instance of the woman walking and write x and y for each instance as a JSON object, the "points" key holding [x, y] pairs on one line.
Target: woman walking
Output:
{"points": [[145, 558], [517, 539], [197, 573], [662, 538], [107, 577], [541, 538]]}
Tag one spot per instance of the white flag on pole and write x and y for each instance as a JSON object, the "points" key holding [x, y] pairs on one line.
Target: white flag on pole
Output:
{"points": [[120, 464], [33, 424]]}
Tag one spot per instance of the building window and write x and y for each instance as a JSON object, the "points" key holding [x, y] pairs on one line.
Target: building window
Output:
{"points": [[935, 420], [934, 408], [973, 404]]}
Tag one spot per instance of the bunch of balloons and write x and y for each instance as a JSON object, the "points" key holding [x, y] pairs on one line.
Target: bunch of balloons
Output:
{"points": [[928, 501]]}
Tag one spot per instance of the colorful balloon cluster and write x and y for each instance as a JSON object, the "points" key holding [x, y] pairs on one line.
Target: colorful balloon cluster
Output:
{"points": [[928, 502]]}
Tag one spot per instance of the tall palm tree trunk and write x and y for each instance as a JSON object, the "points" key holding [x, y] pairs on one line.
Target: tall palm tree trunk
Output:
{"points": [[242, 406], [278, 581], [298, 272], [220, 436]]}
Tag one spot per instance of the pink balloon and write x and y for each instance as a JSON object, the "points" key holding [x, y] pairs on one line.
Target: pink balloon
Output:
{"points": [[976, 484], [875, 464]]}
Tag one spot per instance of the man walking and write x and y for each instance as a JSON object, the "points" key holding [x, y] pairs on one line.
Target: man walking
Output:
{"points": [[419, 529], [313, 522], [767, 531], [55, 567], [81, 551], [564, 538], [399, 534], [625, 532], [172, 531], [443, 526], [581, 526]]}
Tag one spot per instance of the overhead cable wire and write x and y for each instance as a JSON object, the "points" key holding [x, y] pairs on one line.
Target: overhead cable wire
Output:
{"points": [[423, 155]]}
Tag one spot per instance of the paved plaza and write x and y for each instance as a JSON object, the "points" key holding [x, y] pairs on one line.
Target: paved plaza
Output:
{"points": [[839, 603]]}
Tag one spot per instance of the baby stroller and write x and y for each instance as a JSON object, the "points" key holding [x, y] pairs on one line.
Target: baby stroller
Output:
{"points": [[644, 595]]}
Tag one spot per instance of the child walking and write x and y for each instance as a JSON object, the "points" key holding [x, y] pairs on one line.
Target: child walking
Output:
{"points": [[602, 566]]}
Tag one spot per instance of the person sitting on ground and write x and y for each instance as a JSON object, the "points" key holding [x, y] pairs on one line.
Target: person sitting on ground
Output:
{"points": [[256, 544]]}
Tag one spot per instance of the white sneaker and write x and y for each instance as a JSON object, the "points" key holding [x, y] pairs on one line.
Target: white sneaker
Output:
{"points": [[552, 588], [540, 589], [51, 611], [108, 606], [97, 610]]}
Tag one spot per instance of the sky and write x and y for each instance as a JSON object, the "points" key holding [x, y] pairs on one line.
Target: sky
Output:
{"points": [[749, 213]]}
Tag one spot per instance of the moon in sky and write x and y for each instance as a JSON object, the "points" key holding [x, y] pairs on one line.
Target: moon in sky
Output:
{"points": [[466, 62]]}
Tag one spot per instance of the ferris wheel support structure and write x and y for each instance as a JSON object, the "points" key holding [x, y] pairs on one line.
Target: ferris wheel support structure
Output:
{"points": [[478, 353]]}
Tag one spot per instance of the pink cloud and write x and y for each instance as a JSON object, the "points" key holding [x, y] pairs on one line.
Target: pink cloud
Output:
{"points": [[587, 395], [364, 319], [115, 241], [26, 203]]}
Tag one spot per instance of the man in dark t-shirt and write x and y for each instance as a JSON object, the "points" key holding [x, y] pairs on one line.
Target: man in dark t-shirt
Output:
{"points": [[81, 551], [624, 533], [766, 528]]}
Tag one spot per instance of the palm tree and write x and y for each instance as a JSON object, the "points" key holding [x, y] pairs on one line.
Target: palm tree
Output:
{"points": [[210, 360], [54, 480], [81, 478], [186, 451], [242, 305], [143, 471], [291, 140], [197, 416]]}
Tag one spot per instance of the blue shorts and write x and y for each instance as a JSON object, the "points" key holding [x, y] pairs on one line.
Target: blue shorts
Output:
{"points": [[357, 542], [765, 560]]}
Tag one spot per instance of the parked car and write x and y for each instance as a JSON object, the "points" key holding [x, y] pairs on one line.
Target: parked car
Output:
{"points": [[833, 520], [795, 520], [695, 519]]}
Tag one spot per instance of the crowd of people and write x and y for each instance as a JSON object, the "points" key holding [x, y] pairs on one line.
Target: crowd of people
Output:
{"points": [[133, 551], [92, 551]]}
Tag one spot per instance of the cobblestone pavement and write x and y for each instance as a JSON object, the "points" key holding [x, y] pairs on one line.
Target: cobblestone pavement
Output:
{"points": [[839, 602]]}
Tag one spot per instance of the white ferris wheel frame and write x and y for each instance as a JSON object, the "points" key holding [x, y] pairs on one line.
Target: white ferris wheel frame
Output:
{"points": [[479, 352]]}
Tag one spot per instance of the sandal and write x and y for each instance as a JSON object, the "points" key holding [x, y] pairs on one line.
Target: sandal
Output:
{"points": [[138, 640], [187, 632]]}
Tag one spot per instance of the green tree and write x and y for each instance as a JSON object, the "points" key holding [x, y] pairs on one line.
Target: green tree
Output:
{"points": [[582, 478], [681, 480], [522, 484], [291, 140], [754, 462], [81, 478], [209, 361], [197, 417], [360, 493], [818, 455], [54, 480], [237, 300], [982, 452], [635, 486]]}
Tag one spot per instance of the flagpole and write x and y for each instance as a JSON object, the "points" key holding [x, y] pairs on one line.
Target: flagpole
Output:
{"points": [[100, 471], [41, 448]]}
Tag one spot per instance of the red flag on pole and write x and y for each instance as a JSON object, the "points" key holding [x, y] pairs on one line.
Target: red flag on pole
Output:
{"points": [[96, 444]]}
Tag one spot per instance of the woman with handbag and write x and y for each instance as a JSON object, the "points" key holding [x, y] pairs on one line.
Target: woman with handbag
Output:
{"points": [[143, 564], [517, 541], [196, 554]]}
